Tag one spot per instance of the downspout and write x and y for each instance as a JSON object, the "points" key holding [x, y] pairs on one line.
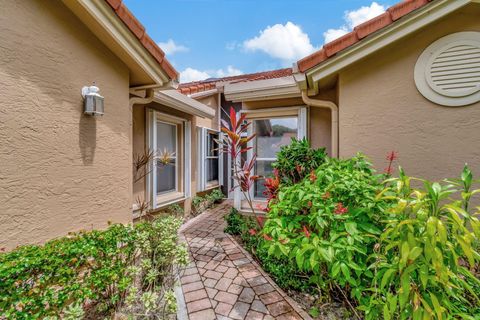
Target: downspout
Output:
{"points": [[150, 94], [334, 111]]}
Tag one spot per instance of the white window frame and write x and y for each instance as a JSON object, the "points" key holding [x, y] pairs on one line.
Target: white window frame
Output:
{"points": [[202, 183], [301, 112], [158, 200]]}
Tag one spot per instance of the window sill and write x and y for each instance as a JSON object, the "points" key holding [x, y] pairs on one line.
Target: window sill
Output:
{"points": [[180, 198]]}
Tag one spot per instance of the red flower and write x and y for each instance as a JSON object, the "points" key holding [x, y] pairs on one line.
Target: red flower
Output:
{"points": [[260, 221], [313, 177], [299, 168], [326, 195], [252, 232], [267, 237], [340, 209], [391, 157], [307, 233]]}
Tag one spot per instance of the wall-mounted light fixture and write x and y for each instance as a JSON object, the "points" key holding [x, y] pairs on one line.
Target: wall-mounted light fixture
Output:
{"points": [[92, 101]]}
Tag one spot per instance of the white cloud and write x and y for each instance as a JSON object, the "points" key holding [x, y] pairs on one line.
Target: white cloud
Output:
{"points": [[286, 42], [332, 34], [354, 18], [170, 47], [231, 71], [190, 74]]}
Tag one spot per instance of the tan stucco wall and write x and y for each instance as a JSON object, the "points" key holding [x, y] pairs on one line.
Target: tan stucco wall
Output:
{"points": [[211, 123], [60, 171], [381, 109]]}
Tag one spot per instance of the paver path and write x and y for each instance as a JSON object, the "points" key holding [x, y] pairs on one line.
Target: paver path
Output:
{"points": [[222, 280]]}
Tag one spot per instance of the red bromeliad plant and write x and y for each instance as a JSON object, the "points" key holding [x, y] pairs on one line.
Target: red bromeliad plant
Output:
{"points": [[235, 142]]}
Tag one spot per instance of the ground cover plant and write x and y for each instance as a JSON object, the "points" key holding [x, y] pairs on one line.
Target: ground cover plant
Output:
{"points": [[386, 247], [202, 203], [125, 269]]}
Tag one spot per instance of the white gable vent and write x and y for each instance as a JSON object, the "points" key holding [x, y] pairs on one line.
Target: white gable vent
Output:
{"points": [[448, 71]]}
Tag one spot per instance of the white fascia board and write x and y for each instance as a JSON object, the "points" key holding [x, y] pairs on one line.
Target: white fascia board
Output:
{"points": [[398, 30], [285, 87], [104, 15], [174, 99], [203, 94]]}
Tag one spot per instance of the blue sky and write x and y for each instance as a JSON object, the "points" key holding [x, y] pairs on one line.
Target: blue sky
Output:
{"points": [[215, 38]]}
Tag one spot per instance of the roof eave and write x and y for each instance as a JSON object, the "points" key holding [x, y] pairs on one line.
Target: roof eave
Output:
{"points": [[174, 99], [99, 17], [278, 88], [382, 38]]}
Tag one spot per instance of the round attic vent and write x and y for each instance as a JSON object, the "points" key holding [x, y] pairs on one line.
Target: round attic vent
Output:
{"points": [[448, 71]]}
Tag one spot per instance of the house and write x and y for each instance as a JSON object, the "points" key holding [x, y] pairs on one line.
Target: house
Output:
{"points": [[64, 170], [407, 80]]}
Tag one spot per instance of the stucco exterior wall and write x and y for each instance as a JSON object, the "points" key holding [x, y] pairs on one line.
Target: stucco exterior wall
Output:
{"points": [[60, 170], [381, 110], [213, 103]]}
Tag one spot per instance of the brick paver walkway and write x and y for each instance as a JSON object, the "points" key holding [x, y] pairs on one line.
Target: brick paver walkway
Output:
{"points": [[223, 281]]}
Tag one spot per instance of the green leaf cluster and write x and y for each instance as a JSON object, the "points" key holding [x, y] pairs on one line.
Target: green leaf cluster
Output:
{"points": [[297, 160], [404, 248], [428, 260], [85, 267], [332, 246]]}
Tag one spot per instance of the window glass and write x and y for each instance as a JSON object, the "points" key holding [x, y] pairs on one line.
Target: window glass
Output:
{"points": [[262, 168], [166, 137], [212, 158], [166, 177], [166, 143], [271, 134]]}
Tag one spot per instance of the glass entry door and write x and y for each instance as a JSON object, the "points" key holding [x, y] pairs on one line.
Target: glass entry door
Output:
{"points": [[271, 134]]}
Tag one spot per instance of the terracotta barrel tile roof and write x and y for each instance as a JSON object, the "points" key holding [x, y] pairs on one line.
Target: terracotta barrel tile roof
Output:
{"points": [[209, 84], [363, 30], [139, 31]]}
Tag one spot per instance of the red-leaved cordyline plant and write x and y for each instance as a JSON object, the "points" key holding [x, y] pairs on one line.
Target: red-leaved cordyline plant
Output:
{"points": [[235, 143], [391, 157]]}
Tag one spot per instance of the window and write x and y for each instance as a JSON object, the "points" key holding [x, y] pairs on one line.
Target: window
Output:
{"points": [[212, 158], [169, 178], [271, 134], [167, 140], [208, 159]]}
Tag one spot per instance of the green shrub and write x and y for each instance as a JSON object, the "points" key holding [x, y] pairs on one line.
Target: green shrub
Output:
{"points": [[328, 223], [395, 251], [54, 279], [235, 222], [215, 196], [199, 203], [175, 210], [426, 261], [285, 274], [296, 160]]}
